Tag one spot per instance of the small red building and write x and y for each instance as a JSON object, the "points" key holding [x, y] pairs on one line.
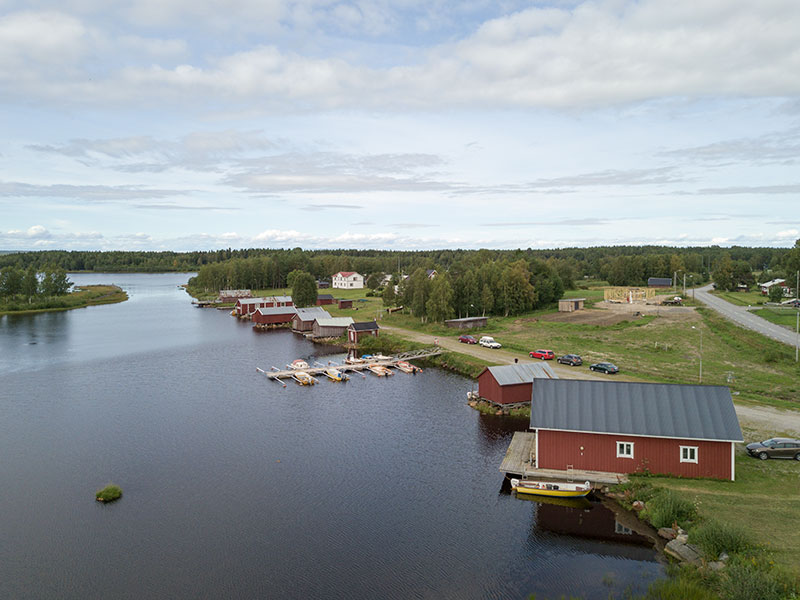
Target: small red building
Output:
{"points": [[628, 427], [274, 315], [511, 384], [247, 306], [323, 299], [345, 303], [358, 330], [304, 319]]}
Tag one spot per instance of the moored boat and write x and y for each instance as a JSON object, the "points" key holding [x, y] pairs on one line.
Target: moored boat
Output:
{"points": [[380, 370], [407, 367], [304, 378], [335, 374], [381, 357], [352, 360], [298, 364], [559, 489]]}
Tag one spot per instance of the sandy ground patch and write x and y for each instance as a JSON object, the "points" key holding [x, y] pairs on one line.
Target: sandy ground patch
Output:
{"points": [[611, 313]]}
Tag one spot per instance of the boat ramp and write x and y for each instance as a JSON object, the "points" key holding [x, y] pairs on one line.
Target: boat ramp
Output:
{"points": [[276, 374]]}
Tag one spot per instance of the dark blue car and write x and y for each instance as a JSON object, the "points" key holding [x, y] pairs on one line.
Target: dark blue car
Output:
{"points": [[604, 367]]}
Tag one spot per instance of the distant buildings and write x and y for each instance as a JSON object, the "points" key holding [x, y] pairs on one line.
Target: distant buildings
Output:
{"points": [[348, 280]]}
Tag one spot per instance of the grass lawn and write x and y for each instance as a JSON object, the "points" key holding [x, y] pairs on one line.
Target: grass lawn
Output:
{"points": [[780, 316], [742, 298], [764, 501]]}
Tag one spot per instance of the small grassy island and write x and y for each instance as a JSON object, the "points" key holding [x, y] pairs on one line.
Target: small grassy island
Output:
{"points": [[87, 295], [109, 493]]}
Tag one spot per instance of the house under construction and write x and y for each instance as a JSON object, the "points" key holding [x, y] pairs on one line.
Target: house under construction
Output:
{"points": [[628, 295]]}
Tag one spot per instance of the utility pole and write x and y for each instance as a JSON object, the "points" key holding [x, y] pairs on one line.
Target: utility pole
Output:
{"points": [[797, 318], [684, 284]]}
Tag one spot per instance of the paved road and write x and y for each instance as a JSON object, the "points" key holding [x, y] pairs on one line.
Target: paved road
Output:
{"points": [[741, 316]]}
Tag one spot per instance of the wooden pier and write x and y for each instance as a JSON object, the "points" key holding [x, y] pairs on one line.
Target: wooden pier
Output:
{"points": [[276, 374], [520, 460]]}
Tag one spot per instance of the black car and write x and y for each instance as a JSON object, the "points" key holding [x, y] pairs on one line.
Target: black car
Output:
{"points": [[775, 448], [604, 367], [573, 360]]}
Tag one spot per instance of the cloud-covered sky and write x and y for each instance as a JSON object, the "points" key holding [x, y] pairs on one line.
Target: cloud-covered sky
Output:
{"points": [[197, 124]]}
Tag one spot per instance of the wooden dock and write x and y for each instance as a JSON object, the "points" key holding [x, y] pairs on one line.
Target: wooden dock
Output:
{"points": [[276, 374], [520, 460]]}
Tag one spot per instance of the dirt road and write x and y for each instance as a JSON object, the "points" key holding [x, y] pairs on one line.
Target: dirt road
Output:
{"points": [[761, 418]]}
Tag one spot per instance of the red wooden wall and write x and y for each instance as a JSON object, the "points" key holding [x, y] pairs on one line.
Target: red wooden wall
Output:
{"points": [[598, 452]]}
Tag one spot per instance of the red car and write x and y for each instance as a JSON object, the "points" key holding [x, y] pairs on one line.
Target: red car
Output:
{"points": [[467, 339], [543, 354]]}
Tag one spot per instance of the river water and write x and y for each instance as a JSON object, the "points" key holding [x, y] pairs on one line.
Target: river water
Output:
{"points": [[236, 487]]}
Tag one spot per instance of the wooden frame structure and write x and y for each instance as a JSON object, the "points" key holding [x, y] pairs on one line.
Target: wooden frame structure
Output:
{"points": [[629, 295]]}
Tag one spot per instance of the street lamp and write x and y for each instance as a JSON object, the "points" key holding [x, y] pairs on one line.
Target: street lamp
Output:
{"points": [[701, 353]]}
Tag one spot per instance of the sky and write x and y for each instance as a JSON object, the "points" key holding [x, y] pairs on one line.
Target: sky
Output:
{"points": [[398, 124]]}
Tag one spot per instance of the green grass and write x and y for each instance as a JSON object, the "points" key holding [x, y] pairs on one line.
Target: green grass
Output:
{"points": [[787, 317], [715, 538], [762, 505], [742, 298], [109, 493], [89, 295]]}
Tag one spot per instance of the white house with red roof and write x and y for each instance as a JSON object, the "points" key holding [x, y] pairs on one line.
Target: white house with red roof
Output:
{"points": [[348, 280]]}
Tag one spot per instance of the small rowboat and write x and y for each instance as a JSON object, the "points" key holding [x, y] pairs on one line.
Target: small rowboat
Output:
{"points": [[549, 488], [352, 360], [304, 378], [335, 374], [407, 367], [298, 364], [381, 357], [380, 370]]}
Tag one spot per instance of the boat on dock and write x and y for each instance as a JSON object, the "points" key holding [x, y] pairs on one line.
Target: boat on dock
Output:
{"points": [[560, 489], [352, 360], [304, 378], [335, 374], [298, 364], [380, 370], [406, 367], [381, 357]]}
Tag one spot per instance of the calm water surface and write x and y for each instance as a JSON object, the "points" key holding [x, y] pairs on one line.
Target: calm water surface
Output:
{"points": [[236, 487]]}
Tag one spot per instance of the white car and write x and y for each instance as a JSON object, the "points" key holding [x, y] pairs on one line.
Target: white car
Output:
{"points": [[488, 342]]}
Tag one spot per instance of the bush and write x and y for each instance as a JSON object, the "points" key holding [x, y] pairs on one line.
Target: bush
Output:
{"points": [[746, 579], [681, 587], [109, 493], [667, 507], [714, 538]]}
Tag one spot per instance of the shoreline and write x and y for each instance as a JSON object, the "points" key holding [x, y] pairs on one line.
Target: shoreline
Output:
{"points": [[114, 296]]}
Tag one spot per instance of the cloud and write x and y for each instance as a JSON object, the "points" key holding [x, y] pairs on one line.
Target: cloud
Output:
{"points": [[94, 193], [319, 207], [793, 188], [777, 147], [593, 54]]}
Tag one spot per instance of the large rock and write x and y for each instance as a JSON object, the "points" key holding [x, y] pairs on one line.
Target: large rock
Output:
{"points": [[637, 505], [668, 533], [684, 552]]}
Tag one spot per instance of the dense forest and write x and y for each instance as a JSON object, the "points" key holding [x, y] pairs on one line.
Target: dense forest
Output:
{"points": [[620, 265]]}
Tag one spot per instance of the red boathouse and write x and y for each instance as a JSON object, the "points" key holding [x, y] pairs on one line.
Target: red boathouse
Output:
{"points": [[629, 427], [511, 384]]}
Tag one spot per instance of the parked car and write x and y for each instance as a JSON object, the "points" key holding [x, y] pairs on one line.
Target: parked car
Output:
{"points": [[573, 360], [543, 354], [467, 339], [489, 342], [775, 448], [604, 367]]}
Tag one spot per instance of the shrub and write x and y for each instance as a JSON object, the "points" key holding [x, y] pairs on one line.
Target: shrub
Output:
{"points": [[109, 493], [679, 588], [746, 579], [714, 538], [667, 507]]}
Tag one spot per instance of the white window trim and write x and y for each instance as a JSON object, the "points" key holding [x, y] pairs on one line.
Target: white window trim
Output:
{"points": [[689, 460], [621, 455]]}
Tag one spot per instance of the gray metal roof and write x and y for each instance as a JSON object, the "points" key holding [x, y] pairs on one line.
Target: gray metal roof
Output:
{"points": [[659, 281], [277, 310], [702, 412], [334, 321], [365, 326], [521, 373], [311, 313]]}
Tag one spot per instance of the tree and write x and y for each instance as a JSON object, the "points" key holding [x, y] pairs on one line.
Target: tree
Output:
{"points": [[374, 281], [10, 282], [304, 289], [775, 293], [55, 282], [388, 296], [30, 283], [440, 303], [487, 299], [723, 273], [518, 295]]}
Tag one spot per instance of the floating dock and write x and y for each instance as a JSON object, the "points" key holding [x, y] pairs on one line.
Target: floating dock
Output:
{"points": [[520, 460], [278, 374]]}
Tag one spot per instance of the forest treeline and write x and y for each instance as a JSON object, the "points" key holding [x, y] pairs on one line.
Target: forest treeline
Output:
{"points": [[619, 265]]}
